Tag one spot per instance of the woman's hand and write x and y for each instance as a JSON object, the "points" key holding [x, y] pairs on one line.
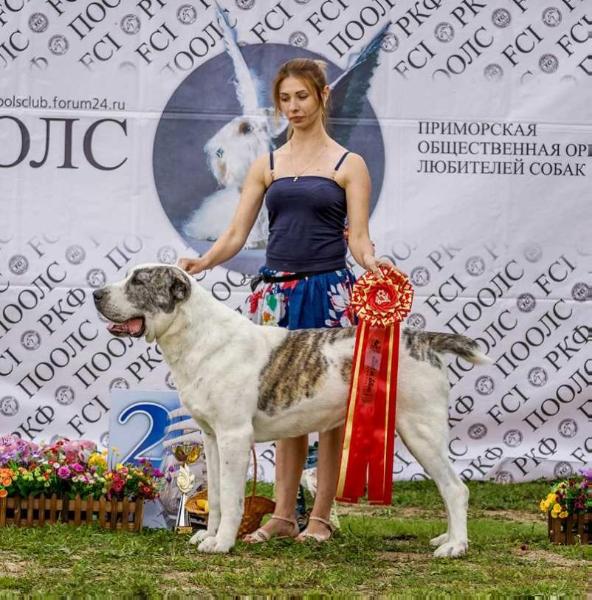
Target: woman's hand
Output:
{"points": [[192, 265], [371, 263]]}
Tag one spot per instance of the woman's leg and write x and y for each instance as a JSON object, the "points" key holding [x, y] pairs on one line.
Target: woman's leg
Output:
{"points": [[330, 443], [289, 462]]}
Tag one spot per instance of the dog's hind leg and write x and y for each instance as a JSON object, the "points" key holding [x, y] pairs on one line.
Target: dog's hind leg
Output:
{"points": [[213, 475], [426, 437], [233, 450]]}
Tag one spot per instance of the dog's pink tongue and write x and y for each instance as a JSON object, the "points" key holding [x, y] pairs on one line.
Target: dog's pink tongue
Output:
{"points": [[130, 327]]}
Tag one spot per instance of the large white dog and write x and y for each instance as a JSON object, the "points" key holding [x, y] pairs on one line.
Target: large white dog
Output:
{"points": [[246, 383]]}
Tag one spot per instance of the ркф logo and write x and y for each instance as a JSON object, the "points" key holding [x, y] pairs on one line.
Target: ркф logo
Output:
{"points": [[475, 266], [187, 14], [96, 278], [444, 32], [551, 16], [390, 42], [420, 276], [538, 376], [64, 395], [130, 24], [31, 340], [493, 72], [512, 438], [9, 406], [484, 385], [58, 45]]}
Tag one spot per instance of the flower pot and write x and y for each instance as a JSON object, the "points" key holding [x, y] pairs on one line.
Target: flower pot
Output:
{"points": [[36, 511], [573, 529]]}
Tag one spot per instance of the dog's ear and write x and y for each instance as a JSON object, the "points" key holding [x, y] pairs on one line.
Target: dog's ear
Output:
{"points": [[180, 286]]}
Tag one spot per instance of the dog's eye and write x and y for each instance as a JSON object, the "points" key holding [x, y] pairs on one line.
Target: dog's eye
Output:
{"points": [[220, 152], [245, 127]]}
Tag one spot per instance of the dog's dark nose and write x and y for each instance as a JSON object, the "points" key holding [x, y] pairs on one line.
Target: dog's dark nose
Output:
{"points": [[99, 294]]}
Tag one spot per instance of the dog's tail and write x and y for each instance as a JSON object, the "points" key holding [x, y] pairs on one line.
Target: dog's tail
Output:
{"points": [[448, 343], [462, 346]]}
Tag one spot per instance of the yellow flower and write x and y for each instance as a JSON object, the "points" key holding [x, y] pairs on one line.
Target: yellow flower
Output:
{"points": [[543, 506], [557, 508], [563, 514], [97, 460]]}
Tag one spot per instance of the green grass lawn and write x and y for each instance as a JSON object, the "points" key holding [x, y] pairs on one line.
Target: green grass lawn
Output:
{"points": [[380, 551]]}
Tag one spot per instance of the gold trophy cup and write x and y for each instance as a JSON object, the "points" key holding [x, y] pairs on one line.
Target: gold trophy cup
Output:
{"points": [[186, 453]]}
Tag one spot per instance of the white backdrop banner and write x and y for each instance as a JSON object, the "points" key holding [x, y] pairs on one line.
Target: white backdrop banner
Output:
{"points": [[127, 126]]}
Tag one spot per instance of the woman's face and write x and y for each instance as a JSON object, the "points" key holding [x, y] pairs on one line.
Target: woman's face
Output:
{"points": [[298, 103]]}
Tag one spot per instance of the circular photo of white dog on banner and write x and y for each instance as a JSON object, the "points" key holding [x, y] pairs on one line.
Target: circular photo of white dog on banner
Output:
{"points": [[212, 129]]}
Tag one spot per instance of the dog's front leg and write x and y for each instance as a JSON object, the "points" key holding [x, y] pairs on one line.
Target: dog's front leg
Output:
{"points": [[213, 478], [233, 448]]}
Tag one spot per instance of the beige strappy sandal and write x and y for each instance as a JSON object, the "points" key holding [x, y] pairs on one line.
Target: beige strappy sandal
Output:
{"points": [[261, 535], [317, 537]]}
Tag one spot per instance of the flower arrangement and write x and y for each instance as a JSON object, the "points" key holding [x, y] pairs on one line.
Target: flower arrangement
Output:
{"points": [[70, 468], [569, 497]]}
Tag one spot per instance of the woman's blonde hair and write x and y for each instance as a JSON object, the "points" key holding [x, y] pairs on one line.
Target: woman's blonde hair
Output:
{"points": [[312, 72]]}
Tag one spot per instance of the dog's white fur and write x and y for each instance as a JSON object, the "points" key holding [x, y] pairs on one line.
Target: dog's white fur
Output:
{"points": [[216, 355]]}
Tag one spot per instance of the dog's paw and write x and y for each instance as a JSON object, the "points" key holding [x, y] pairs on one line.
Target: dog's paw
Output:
{"points": [[200, 536], [438, 541], [452, 549], [213, 545]]}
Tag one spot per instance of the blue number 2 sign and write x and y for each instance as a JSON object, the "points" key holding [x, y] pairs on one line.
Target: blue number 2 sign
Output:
{"points": [[138, 424]]}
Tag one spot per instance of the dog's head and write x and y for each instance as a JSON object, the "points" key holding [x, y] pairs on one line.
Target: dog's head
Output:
{"points": [[144, 303]]}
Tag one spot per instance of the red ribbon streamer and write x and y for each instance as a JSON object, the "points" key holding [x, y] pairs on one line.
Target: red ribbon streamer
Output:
{"points": [[368, 448]]}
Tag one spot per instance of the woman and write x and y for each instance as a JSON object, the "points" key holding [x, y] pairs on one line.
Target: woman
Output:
{"points": [[311, 186]]}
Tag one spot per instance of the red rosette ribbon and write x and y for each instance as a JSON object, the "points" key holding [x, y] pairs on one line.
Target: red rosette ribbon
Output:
{"points": [[380, 303]]}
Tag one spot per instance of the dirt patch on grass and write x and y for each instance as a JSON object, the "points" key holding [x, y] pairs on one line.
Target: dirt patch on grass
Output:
{"points": [[545, 555], [414, 512], [509, 515], [405, 557], [408, 512], [11, 565]]}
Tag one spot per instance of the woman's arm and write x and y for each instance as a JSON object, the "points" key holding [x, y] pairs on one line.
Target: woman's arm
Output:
{"points": [[235, 236], [358, 187]]}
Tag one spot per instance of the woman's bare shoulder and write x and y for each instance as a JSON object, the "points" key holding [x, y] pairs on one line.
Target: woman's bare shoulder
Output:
{"points": [[354, 162]]}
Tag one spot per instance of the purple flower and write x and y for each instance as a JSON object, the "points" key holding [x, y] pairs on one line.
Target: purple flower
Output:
{"points": [[77, 467], [63, 472]]}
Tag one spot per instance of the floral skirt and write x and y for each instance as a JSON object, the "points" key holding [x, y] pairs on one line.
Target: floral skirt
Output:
{"points": [[320, 300]]}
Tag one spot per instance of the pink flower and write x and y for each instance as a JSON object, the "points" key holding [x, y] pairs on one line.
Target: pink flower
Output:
{"points": [[63, 472], [78, 468]]}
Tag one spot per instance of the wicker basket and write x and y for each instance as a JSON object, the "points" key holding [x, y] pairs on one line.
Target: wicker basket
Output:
{"points": [[574, 529], [256, 507]]}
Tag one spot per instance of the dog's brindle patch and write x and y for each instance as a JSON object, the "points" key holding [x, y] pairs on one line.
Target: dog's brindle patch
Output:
{"points": [[427, 345], [156, 289], [346, 367], [296, 367]]}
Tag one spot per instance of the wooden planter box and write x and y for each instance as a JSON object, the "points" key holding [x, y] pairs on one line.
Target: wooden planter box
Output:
{"points": [[575, 529], [37, 511]]}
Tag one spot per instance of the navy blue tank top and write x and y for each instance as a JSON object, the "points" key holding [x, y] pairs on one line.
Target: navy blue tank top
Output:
{"points": [[306, 221]]}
